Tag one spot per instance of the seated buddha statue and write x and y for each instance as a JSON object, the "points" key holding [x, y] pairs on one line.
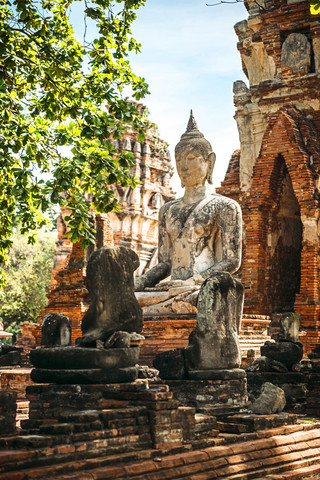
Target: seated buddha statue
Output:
{"points": [[199, 234]]}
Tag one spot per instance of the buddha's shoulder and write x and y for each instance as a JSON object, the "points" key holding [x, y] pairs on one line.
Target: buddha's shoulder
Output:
{"points": [[219, 202], [168, 205]]}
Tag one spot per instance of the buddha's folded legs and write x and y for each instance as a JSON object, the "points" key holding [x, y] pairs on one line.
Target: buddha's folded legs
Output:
{"points": [[170, 301]]}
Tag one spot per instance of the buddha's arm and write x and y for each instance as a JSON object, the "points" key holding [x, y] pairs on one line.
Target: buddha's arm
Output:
{"points": [[163, 267], [230, 226]]}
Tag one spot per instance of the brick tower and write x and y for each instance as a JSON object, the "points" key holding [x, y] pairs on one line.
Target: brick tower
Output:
{"points": [[275, 175]]}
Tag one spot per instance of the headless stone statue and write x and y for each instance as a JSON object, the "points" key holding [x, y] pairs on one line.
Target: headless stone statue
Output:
{"points": [[199, 241], [113, 304], [108, 350], [199, 234], [214, 343]]}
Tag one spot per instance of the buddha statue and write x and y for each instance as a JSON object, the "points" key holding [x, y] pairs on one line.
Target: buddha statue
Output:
{"points": [[199, 234]]}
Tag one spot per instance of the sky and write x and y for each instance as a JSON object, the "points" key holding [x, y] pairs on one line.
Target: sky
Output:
{"points": [[190, 60]]}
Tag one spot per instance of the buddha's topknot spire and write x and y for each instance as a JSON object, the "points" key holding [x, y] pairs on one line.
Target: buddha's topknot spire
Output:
{"points": [[192, 128], [192, 125]]}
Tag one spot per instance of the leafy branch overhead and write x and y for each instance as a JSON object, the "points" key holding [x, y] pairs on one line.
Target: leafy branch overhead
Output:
{"points": [[61, 102], [315, 7]]}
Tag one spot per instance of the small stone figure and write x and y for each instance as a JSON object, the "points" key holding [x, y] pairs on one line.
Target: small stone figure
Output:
{"points": [[113, 304], [289, 327], [55, 330], [285, 354]]}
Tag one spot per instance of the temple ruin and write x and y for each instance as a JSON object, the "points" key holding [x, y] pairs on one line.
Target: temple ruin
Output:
{"points": [[275, 174], [98, 412]]}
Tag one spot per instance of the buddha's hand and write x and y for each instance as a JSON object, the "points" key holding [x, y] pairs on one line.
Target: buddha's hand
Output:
{"points": [[198, 279]]}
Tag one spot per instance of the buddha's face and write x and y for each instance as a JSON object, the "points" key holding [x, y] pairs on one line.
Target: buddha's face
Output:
{"points": [[192, 167]]}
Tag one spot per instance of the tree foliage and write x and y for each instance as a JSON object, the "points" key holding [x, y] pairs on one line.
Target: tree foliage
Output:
{"points": [[315, 7], [28, 274], [61, 101]]}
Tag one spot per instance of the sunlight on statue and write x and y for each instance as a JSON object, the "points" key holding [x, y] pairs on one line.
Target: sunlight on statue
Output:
{"points": [[199, 234]]}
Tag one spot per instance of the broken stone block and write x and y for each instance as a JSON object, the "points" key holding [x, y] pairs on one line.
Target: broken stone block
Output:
{"points": [[271, 400], [79, 358]]}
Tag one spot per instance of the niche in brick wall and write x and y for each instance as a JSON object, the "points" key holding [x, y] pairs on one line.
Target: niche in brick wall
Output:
{"points": [[285, 244]]}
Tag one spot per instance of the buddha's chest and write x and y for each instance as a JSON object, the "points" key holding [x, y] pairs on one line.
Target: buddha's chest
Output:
{"points": [[188, 224]]}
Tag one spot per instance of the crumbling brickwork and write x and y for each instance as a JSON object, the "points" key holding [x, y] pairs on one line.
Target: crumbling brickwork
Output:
{"points": [[276, 176]]}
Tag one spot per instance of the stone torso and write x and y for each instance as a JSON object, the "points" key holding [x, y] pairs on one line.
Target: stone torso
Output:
{"points": [[194, 233]]}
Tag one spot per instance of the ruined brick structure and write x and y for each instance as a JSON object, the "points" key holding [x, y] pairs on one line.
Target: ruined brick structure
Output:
{"points": [[135, 226], [275, 175]]}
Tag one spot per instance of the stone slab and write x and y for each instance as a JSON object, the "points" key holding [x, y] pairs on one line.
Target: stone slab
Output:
{"points": [[74, 358], [83, 376], [224, 374]]}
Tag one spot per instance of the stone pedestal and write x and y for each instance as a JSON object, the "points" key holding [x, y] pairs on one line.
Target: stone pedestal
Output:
{"points": [[72, 365], [222, 395], [113, 417]]}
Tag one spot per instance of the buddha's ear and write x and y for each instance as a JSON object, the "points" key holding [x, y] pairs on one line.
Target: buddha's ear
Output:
{"points": [[211, 160]]}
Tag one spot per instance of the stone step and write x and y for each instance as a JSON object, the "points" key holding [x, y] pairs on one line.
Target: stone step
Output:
{"points": [[45, 453], [243, 461], [311, 472], [245, 423], [265, 453], [62, 468]]}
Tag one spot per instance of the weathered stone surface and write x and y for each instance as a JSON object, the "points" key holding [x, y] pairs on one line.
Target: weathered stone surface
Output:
{"points": [[84, 358], [223, 374], [264, 364], [10, 358], [8, 409], [199, 234], [10, 355], [271, 400], [296, 52], [214, 343], [171, 364], [288, 353], [289, 326], [56, 330], [113, 304], [84, 376], [216, 396]]}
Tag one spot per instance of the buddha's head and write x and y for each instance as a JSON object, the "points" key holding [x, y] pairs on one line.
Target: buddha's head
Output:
{"points": [[194, 156]]}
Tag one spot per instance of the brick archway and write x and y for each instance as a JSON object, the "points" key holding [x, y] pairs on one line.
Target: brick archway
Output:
{"points": [[290, 153]]}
